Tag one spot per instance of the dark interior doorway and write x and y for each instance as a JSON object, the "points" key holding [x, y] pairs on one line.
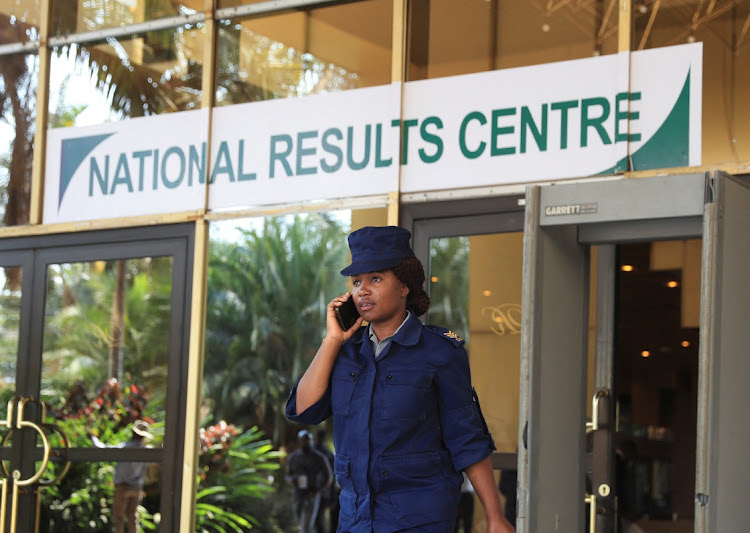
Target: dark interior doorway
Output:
{"points": [[656, 383]]}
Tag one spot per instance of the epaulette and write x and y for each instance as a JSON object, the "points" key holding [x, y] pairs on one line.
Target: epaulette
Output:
{"points": [[445, 334]]}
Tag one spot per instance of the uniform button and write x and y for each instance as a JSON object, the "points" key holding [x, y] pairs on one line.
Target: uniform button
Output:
{"points": [[385, 473], [389, 378], [353, 374]]}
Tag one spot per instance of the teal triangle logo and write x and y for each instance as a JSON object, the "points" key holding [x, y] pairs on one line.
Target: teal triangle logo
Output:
{"points": [[74, 151], [670, 144]]}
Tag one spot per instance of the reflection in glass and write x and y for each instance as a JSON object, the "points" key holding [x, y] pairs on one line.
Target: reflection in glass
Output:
{"points": [[10, 316], [18, 86], [449, 284], [269, 284], [19, 21], [77, 16], [723, 29], [304, 53], [496, 34], [104, 367], [92, 484], [140, 75], [475, 291], [105, 345]]}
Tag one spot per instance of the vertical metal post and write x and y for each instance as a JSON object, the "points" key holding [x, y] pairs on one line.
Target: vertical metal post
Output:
{"points": [[702, 443], [42, 117], [529, 316]]}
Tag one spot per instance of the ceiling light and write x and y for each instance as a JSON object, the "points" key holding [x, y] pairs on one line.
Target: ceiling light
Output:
{"points": [[627, 268], [645, 353], [672, 284], [545, 28], [434, 279], [643, 8], [487, 292], [685, 344]]}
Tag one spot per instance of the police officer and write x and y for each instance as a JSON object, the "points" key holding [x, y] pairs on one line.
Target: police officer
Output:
{"points": [[406, 421]]}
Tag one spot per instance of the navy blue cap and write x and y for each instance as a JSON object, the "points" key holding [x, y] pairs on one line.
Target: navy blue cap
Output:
{"points": [[377, 248]]}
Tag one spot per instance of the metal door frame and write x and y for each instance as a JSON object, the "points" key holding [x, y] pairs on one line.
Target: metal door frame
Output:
{"points": [[562, 222], [35, 254], [454, 218]]}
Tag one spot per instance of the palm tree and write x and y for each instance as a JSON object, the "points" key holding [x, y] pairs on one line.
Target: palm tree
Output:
{"points": [[266, 315], [78, 325], [449, 293], [18, 85]]}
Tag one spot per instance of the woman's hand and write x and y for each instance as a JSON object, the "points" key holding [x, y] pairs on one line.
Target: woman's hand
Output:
{"points": [[333, 328], [314, 382], [500, 526]]}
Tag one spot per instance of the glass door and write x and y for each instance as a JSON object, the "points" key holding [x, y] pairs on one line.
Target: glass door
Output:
{"points": [[642, 434], [474, 264], [93, 412]]}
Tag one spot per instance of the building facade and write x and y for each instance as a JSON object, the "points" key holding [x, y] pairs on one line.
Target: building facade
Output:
{"points": [[573, 174]]}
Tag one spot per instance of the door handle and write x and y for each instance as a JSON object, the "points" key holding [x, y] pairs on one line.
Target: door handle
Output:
{"points": [[591, 500], [599, 489], [16, 420], [594, 424], [17, 481]]}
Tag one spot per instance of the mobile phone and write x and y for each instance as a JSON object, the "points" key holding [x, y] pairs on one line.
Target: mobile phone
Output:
{"points": [[347, 314]]}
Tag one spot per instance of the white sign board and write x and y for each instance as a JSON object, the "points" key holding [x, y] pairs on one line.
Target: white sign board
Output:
{"points": [[561, 120], [601, 115]]}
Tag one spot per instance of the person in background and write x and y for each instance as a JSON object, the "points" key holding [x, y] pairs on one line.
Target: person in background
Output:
{"points": [[406, 420], [308, 471], [128, 479], [329, 497]]}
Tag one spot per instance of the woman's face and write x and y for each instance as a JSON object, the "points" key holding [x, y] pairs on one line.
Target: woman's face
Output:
{"points": [[379, 296]]}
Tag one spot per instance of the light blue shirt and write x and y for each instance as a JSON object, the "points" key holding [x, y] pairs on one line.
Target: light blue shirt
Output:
{"points": [[379, 346]]}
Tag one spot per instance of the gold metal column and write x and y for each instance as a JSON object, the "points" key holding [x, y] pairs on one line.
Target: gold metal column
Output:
{"points": [[398, 75], [42, 116], [196, 347]]}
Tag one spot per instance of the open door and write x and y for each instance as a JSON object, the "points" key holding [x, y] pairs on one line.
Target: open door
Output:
{"points": [[563, 223], [722, 473]]}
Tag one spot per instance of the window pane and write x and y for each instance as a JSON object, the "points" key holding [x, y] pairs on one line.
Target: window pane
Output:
{"points": [[305, 52], [269, 283], [19, 21], [10, 319], [19, 78], [475, 290], [722, 27], [445, 40], [144, 74], [76, 16], [104, 363]]}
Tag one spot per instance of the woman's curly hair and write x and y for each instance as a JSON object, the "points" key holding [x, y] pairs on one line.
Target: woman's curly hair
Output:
{"points": [[410, 272]]}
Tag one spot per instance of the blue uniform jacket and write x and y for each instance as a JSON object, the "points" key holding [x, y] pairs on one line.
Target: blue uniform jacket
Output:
{"points": [[404, 427]]}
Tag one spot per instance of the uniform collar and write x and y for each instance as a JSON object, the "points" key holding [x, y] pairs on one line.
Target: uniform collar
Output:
{"points": [[408, 335]]}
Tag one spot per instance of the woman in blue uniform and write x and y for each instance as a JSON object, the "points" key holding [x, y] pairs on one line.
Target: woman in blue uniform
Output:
{"points": [[406, 421]]}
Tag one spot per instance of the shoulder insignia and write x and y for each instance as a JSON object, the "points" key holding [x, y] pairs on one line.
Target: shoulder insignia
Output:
{"points": [[452, 335], [445, 334]]}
